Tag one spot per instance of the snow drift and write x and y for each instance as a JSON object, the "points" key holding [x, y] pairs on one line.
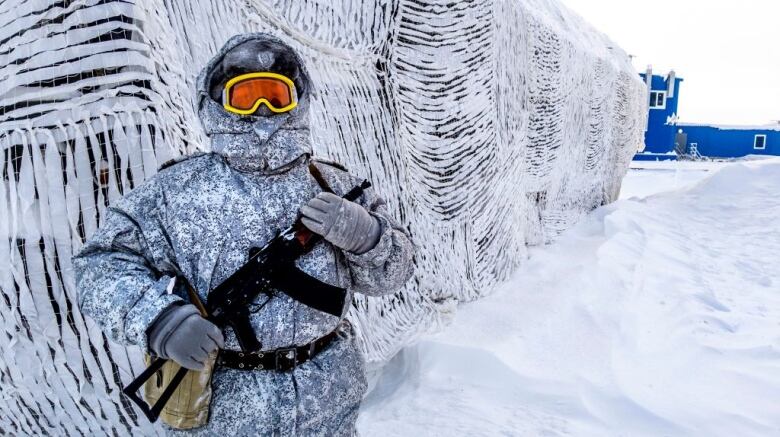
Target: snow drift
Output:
{"points": [[489, 125], [655, 316]]}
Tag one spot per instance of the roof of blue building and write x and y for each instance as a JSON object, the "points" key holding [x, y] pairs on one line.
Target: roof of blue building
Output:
{"points": [[763, 127]]}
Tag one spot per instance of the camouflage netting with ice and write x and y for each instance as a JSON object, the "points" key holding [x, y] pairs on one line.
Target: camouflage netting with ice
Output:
{"points": [[488, 125]]}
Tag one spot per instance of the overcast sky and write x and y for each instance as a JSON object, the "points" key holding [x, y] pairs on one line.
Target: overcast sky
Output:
{"points": [[728, 51]]}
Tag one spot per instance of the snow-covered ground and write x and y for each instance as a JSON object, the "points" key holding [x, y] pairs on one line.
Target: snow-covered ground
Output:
{"points": [[647, 178], [658, 315]]}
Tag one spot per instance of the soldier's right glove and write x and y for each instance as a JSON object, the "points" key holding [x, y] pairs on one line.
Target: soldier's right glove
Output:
{"points": [[182, 335]]}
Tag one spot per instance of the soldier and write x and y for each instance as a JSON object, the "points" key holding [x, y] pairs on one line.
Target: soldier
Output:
{"points": [[198, 218]]}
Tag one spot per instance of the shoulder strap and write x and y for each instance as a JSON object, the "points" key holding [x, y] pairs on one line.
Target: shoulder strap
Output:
{"points": [[178, 159], [330, 163], [194, 298], [317, 175]]}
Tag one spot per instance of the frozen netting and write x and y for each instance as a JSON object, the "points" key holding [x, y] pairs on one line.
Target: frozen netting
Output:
{"points": [[488, 125]]}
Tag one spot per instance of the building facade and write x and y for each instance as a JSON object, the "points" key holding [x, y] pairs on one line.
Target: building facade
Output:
{"points": [[663, 97], [668, 139], [716, 141]]}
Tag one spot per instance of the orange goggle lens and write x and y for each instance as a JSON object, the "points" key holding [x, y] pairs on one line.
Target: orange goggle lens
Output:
{"points": [[244, 94]]}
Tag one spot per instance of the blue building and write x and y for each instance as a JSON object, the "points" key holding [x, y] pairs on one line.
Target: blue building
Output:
{"points": [[730, 141], [667, 139]]}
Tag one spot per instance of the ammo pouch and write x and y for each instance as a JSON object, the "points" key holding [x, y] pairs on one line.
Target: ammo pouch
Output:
{"points": [[189, 406]]}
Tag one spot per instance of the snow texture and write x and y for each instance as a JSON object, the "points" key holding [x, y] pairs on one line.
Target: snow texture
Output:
{"points": [[488, 125], [655, 316]]}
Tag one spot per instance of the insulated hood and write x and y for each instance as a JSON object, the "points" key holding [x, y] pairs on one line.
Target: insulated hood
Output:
{"points": [[264, 141]]}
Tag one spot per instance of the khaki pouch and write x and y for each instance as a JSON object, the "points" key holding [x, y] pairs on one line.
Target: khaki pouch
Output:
{"points": [[189, 405]]}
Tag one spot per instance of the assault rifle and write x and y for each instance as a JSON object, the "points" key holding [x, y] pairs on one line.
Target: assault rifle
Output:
{"points": [[268, 269]]}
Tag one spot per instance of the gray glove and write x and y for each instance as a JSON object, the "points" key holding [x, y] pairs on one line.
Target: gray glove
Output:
{"points": [[345, 224], [179, 333]]}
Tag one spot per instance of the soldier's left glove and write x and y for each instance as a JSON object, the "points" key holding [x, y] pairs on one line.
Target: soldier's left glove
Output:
{"points": [[345, 224]]}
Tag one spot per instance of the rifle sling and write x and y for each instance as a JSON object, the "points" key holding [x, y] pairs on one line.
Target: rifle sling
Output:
{"points": [[317, 175], [309, 290]]}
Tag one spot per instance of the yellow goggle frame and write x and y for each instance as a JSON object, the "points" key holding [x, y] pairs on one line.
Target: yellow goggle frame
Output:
{"points": [[262, 100]]}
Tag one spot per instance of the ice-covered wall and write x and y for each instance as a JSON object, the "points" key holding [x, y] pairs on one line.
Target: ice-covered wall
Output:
{"points": [[489, 125]]}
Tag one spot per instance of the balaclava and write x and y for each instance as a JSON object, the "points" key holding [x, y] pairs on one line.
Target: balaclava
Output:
{"points": [[264, 142]]}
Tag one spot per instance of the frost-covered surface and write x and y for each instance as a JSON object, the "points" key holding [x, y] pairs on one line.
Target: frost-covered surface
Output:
{"points": [[655, 316], [488, 125]]}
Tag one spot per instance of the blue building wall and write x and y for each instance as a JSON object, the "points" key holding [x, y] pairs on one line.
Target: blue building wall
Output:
{"points": [[659, 137], [723, 142], [709, 140]]}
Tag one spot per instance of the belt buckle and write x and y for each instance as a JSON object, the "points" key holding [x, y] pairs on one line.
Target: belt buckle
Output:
{"points": [[286, 358]]}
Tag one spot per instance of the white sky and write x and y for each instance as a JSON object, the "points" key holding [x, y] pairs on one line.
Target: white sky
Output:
{"points": [[728, 51]]}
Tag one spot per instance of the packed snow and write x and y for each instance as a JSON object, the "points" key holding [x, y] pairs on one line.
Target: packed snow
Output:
{"points": [[657, 315]]}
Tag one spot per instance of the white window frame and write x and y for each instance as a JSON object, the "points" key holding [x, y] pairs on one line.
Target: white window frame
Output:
{"points": [[653, 103], [755, 142]]}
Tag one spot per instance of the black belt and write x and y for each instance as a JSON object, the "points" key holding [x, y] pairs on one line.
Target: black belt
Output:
{"points": [[282, 359]]}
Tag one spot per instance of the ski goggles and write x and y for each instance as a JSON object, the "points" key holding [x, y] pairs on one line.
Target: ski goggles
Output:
{"points": [[245, 93]]}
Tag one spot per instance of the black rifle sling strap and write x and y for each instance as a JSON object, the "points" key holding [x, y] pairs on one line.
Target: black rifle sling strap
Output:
{"points": [[309, 290]]}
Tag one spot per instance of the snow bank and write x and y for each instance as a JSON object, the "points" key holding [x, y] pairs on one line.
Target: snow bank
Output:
{"points": [[648, 177], [654, 316]]}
